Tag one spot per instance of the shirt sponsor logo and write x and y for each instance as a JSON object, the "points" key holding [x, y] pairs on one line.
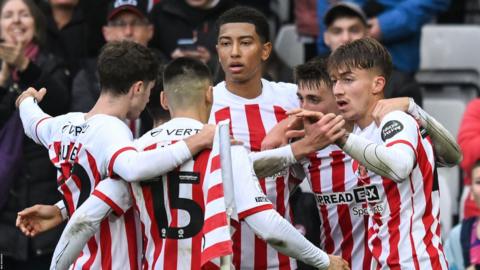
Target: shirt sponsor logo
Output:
{"points": [[261, 200], [358, 195]]}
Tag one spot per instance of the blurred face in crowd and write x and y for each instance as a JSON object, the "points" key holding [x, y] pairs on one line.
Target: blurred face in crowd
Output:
{"points": [[198, 3], [128, 26], [16, 22], [64, 3], [241, 52], [343, 30], [476, 185], [316, 97]]}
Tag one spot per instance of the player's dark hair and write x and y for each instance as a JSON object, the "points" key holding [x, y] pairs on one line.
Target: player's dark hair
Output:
{"points": [[364, 53], [154, 108], [313, 74], [123, 63], [242, 14]]}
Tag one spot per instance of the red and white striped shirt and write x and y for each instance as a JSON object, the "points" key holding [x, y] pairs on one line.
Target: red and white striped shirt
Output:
{"points": [[404, 224], [183, 219], [251, 120], [83, 151], [342, 205]]}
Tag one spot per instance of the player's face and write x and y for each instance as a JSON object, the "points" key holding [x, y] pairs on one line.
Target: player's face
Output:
{"points": [[241, 52], [317, 98], [353, 91], [344, 30], [128, 26], [140, 100], [476, 185], [16, 22]]}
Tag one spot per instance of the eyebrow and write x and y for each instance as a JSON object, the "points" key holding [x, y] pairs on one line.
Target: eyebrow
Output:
{"points": [[240, 37]]}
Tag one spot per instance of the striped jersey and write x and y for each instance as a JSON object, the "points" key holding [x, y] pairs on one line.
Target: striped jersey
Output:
{"points": [[250, 121], [341, 204], [404, 223], [182, 214], [84, 153]]}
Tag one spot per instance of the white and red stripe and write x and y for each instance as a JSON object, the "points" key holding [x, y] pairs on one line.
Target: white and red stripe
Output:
{"points": [[251, 120], [77, 149], [343, 223], [404, 229], [154, 198]]}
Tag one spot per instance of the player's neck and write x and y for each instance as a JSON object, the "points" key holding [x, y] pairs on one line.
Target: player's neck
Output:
{"points": [[367, 117], [246, 89], [198, 114], [110, 105]]}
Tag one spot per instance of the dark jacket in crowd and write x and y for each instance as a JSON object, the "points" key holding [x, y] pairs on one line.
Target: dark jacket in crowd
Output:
{"points": [[174, 19], [36, 180]]}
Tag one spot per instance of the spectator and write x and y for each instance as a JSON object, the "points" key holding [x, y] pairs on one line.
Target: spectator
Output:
{"points": [[469, 140], [306, 20], [24, 62], [463, 244], [397, 24], [126, 20], [346, 22], [67, 32], [188, 21]]}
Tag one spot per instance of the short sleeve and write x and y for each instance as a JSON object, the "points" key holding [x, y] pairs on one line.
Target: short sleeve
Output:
{"points": [[115, 193], [249, 198]]}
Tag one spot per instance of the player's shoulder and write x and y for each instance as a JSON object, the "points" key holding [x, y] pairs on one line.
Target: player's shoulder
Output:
{"points": [[106, 126], [281, 88], [398, 116]]}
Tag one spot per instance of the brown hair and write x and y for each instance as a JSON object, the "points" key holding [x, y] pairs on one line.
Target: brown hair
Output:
{"points": [[38, 18], [364, 53], [313, 74]]}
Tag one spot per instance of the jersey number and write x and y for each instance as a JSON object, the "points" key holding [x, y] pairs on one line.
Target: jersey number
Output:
{"points": [[174, 180], [79, 174]]}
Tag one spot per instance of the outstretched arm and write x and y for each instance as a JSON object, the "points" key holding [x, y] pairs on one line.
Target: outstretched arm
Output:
{"points": [[40, 218]]}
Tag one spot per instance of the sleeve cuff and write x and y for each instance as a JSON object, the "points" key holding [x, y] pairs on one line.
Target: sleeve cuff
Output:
{"points": [[63, 210]]}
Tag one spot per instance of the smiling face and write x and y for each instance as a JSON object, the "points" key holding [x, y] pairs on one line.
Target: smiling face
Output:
{"points": [[241, 52], [16, 22]]}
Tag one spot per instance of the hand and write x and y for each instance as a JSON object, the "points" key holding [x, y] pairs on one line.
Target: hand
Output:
{"points": [[384, 106], [38, 218], [201, 53], [14, 54], [374, 28], [201, 140], [337, 263], [5, 73], [31, 92], [276, 137]]}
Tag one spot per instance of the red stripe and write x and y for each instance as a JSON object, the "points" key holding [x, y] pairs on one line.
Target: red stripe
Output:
{"points": [[114, 157], [117, 209], [150, 147], [67, 195], [93, 249], [260, 257], [93, 167], [394, 204], [215, 192], [56, 150], [428, 219], [237, 244], [284, 261], [38, 123], [215, 163], [254, 210], [314, 170], [367, 257], [171, 245], [214, 222], [157, 240], [404, 142], [106, 245], [412, 241], [280, 113], [200, 165], [130, 230], [224, 114], [338, 182], [219, 249], [256, 129]]}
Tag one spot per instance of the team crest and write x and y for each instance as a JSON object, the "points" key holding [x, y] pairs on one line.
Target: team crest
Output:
{"points": [[360, 171]]}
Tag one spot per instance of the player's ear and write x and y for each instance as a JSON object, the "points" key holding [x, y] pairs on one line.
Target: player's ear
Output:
{"points": [[163, 100], [266, 50], [136, 88], [209, 95], [379, 83]]}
